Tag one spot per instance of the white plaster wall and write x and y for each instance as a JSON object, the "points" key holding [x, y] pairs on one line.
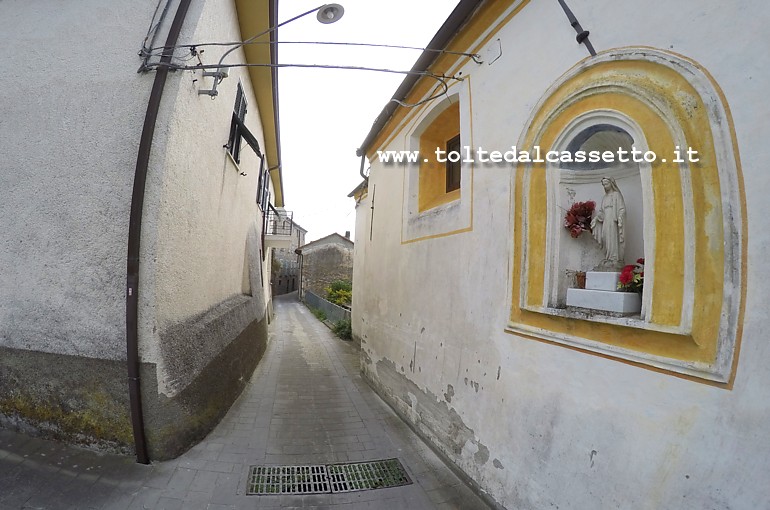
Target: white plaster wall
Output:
{"points": [[70, 118], [200, 211], [206, 206], [563, 428], [360, 305]]}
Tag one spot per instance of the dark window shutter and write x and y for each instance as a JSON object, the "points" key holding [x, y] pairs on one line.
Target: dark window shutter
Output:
{"points": [[453, 167], [239, 111]]}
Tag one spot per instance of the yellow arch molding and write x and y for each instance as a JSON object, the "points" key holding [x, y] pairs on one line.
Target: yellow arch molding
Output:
{"points": [[670, 98]]}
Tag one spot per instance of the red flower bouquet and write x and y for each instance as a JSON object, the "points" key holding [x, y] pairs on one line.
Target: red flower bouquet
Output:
{"points": [[578, 218], [632, 277]]}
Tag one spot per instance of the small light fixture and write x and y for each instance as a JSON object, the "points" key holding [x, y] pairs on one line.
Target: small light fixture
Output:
{"points": [[327, 14]]}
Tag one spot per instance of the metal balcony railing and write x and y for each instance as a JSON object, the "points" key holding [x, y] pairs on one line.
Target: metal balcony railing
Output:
{"points": [[279, 223]]}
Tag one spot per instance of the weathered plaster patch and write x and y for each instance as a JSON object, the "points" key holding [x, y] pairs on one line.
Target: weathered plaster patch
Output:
{"points": [[365, 358], [442, 425], [549, 415], [482, 455], [412, 408], [450, 392]]}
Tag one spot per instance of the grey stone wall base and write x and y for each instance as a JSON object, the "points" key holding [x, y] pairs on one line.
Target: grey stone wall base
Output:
{"points": [[175, 424], [84, 401], [74, 399]]}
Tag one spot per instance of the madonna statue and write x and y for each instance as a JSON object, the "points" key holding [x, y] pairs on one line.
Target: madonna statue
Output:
{"points": [[607, 226]]}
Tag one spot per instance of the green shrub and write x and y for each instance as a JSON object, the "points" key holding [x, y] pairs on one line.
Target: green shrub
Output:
{"points": [[343, 329], [340, 292]]}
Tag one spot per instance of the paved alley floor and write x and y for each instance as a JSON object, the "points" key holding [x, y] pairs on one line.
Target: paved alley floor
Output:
{"points": [[306, 404]]}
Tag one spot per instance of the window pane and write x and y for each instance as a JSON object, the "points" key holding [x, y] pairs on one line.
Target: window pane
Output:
{"points": [[453, 167]]}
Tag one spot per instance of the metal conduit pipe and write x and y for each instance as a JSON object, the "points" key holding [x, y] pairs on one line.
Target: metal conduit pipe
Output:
{"points": [[361, 170], [134, 236]]}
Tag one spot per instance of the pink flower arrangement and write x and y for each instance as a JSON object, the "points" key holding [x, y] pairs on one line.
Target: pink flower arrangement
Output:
{"points": [[632, 277], [578, 218]]}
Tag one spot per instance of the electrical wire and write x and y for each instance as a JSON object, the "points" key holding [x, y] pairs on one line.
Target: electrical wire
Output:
{"points": [[441, 79], [175, 67], [152, 31], [427, 99], [265, 32], [475, 56], [193, 49]]}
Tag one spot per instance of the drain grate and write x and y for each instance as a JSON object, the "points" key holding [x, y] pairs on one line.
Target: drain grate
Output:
{"points": [[362, 476], [288, 480], [349, 477]]}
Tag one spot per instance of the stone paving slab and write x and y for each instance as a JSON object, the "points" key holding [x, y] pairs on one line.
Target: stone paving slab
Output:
{"points": [[305, 404]]}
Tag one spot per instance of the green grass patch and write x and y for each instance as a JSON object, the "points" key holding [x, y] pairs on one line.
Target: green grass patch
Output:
{"points": [[319, 314], [343, 329]]}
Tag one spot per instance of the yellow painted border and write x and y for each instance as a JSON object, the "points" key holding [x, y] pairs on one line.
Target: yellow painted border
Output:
{"points": [[254, 18], [437, 236], [471, 166], [432, 174]]}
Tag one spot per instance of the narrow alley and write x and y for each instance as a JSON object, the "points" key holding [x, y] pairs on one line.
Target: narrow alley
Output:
{"points": [[306, 404]]}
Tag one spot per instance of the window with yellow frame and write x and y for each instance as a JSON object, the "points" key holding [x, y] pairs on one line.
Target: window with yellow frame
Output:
{"points": [[439, 181]]}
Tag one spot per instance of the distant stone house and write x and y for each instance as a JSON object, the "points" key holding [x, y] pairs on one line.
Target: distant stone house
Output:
{"points": [[323, 261], [285, 274]]}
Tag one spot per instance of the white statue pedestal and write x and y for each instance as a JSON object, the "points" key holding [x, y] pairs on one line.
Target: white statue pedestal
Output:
{"points": [[596, 280], [601, 293]]}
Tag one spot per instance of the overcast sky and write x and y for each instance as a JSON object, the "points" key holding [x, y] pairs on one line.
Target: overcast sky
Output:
{"points": [[326, 114]]}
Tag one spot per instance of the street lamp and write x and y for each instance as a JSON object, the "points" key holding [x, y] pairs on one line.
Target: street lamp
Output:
{"points": [[326, 14]]}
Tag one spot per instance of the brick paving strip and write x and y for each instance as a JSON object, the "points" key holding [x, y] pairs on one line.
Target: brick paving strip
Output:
{"points": [[306, 404]]}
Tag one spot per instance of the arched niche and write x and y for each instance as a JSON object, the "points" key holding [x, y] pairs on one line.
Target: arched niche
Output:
{"points": [[597, 132], [692, 220]]}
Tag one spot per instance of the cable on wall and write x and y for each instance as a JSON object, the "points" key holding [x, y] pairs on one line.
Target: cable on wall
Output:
{"points": [[582, 35]]}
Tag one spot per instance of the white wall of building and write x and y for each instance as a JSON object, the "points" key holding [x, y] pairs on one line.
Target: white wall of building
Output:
{"points": [[202, 229], [71, 118], [538, 425]]}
